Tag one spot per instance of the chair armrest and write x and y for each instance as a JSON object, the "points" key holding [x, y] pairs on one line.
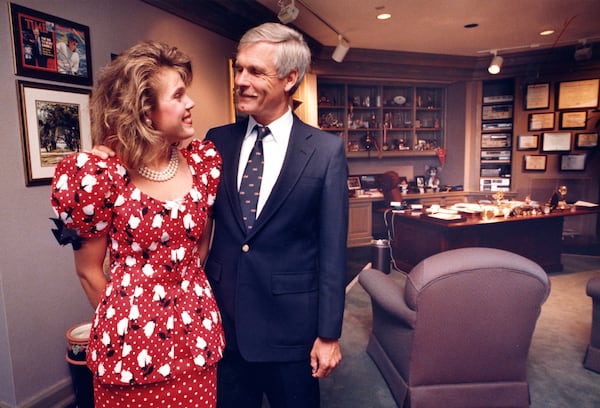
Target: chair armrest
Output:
{"points": [[388, 294], [592, 288]]}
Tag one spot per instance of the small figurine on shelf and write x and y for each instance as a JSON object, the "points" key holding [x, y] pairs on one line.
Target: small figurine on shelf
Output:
{"points": [[433, 181], [369, 144], [403, 185], [421, 184]]}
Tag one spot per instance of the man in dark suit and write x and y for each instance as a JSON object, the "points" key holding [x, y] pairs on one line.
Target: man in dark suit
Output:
{"points": [[279, 281]]}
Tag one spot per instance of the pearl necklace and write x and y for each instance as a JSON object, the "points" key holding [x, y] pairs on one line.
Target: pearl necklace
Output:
{"points": [[164, 175]]}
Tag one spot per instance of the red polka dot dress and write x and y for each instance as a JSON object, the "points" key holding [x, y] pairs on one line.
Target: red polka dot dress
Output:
{"points": [[156, 334]]}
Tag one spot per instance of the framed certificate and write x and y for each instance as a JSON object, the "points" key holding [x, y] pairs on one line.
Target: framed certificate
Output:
{"points": [[556, 142], [578, 94], [528, 142], [535, 162], [572, 162], [573, 120], [537, 96], [541, 121], [586, 140]]}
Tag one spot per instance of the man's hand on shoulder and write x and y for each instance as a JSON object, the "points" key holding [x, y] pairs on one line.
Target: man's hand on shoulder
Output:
{"points": [[102, 151]]}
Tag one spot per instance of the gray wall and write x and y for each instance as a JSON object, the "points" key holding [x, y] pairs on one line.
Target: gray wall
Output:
{"points": [[40, 296]]}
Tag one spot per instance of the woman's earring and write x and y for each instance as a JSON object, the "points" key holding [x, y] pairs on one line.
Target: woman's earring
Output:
{"points": [[148, 122]]}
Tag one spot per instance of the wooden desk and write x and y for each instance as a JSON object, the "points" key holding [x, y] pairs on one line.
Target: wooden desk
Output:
{"points": [[360, 226], [538, 237]]}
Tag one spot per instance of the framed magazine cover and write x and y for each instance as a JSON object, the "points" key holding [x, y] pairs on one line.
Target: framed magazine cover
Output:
{"points": [[49, 47], [55, 122]]}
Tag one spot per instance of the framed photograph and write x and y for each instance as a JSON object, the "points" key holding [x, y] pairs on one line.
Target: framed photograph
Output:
{"points": [[528, 142], [573, 120], [55, 122], [541, 121], [354, 183], [556, 142], [537, 96], [586, 140], [535, 162], [578, 94], [572, 162], [50, 47]]}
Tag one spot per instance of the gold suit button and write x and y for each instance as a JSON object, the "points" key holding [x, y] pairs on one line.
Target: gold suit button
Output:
{"points": [[245, 248]]}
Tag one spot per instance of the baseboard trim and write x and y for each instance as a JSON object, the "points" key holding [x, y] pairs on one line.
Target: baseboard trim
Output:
{"points": [[59, 395]]}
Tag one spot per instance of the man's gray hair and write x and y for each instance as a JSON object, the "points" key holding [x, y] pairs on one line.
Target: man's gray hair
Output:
{"points": [[292, 51]]}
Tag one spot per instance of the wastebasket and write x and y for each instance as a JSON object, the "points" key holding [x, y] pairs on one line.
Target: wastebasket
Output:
{"points": [[81, 376], [380, 255]]}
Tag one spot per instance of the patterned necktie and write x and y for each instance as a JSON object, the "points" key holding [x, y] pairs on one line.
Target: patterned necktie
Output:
{"points": [[250, 185]]}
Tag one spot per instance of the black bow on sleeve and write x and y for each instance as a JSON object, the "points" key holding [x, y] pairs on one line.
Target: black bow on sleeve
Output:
{"points": [[64, 235]]}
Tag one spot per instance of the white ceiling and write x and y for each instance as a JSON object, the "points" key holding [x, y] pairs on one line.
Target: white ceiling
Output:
{"points": [[437, 26]]}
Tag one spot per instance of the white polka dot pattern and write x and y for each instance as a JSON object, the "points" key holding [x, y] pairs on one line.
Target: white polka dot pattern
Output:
{"points": [[192, 389], [158, 316]]}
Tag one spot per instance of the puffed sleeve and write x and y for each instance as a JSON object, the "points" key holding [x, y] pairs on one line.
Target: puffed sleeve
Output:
{"points": [[207, 163], [84, 193]]}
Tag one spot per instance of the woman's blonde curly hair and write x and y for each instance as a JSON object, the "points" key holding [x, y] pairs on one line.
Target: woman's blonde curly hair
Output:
{"points": [[124, 96]]}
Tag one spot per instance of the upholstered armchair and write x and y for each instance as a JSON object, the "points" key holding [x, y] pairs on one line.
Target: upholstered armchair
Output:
{"points": [[591, 360], [457, 331]]}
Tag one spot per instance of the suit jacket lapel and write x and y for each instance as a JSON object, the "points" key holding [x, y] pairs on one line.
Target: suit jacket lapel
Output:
{"points": [[298, 154], [230, 153]]}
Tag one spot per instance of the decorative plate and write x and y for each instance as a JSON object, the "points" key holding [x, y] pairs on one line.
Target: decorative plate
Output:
{"points": [[399, 100]]}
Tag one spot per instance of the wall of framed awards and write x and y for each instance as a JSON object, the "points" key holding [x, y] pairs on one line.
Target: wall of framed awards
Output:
{"points": [[562, 125]]}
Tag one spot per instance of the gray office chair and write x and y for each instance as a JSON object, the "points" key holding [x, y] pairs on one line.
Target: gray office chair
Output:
{"points": [[458, 333]]}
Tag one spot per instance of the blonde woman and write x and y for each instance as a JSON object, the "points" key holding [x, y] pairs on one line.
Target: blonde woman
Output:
{"points": [[156, 334]]}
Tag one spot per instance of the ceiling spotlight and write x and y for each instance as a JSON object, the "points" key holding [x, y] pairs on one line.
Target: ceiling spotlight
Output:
{"points": [[288, 12], [341, 50], [496, 64]]}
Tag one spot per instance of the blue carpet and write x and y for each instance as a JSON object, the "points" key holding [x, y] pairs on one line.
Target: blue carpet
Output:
{"points": [[556, 376]]}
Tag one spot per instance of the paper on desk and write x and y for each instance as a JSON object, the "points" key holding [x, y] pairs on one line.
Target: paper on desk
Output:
{"points": [[445, 216], [442, 211], [585, 204], [467, 207]]}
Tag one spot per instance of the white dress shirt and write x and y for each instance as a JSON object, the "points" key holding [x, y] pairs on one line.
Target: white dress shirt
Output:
{"points": [[274, 148]]}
